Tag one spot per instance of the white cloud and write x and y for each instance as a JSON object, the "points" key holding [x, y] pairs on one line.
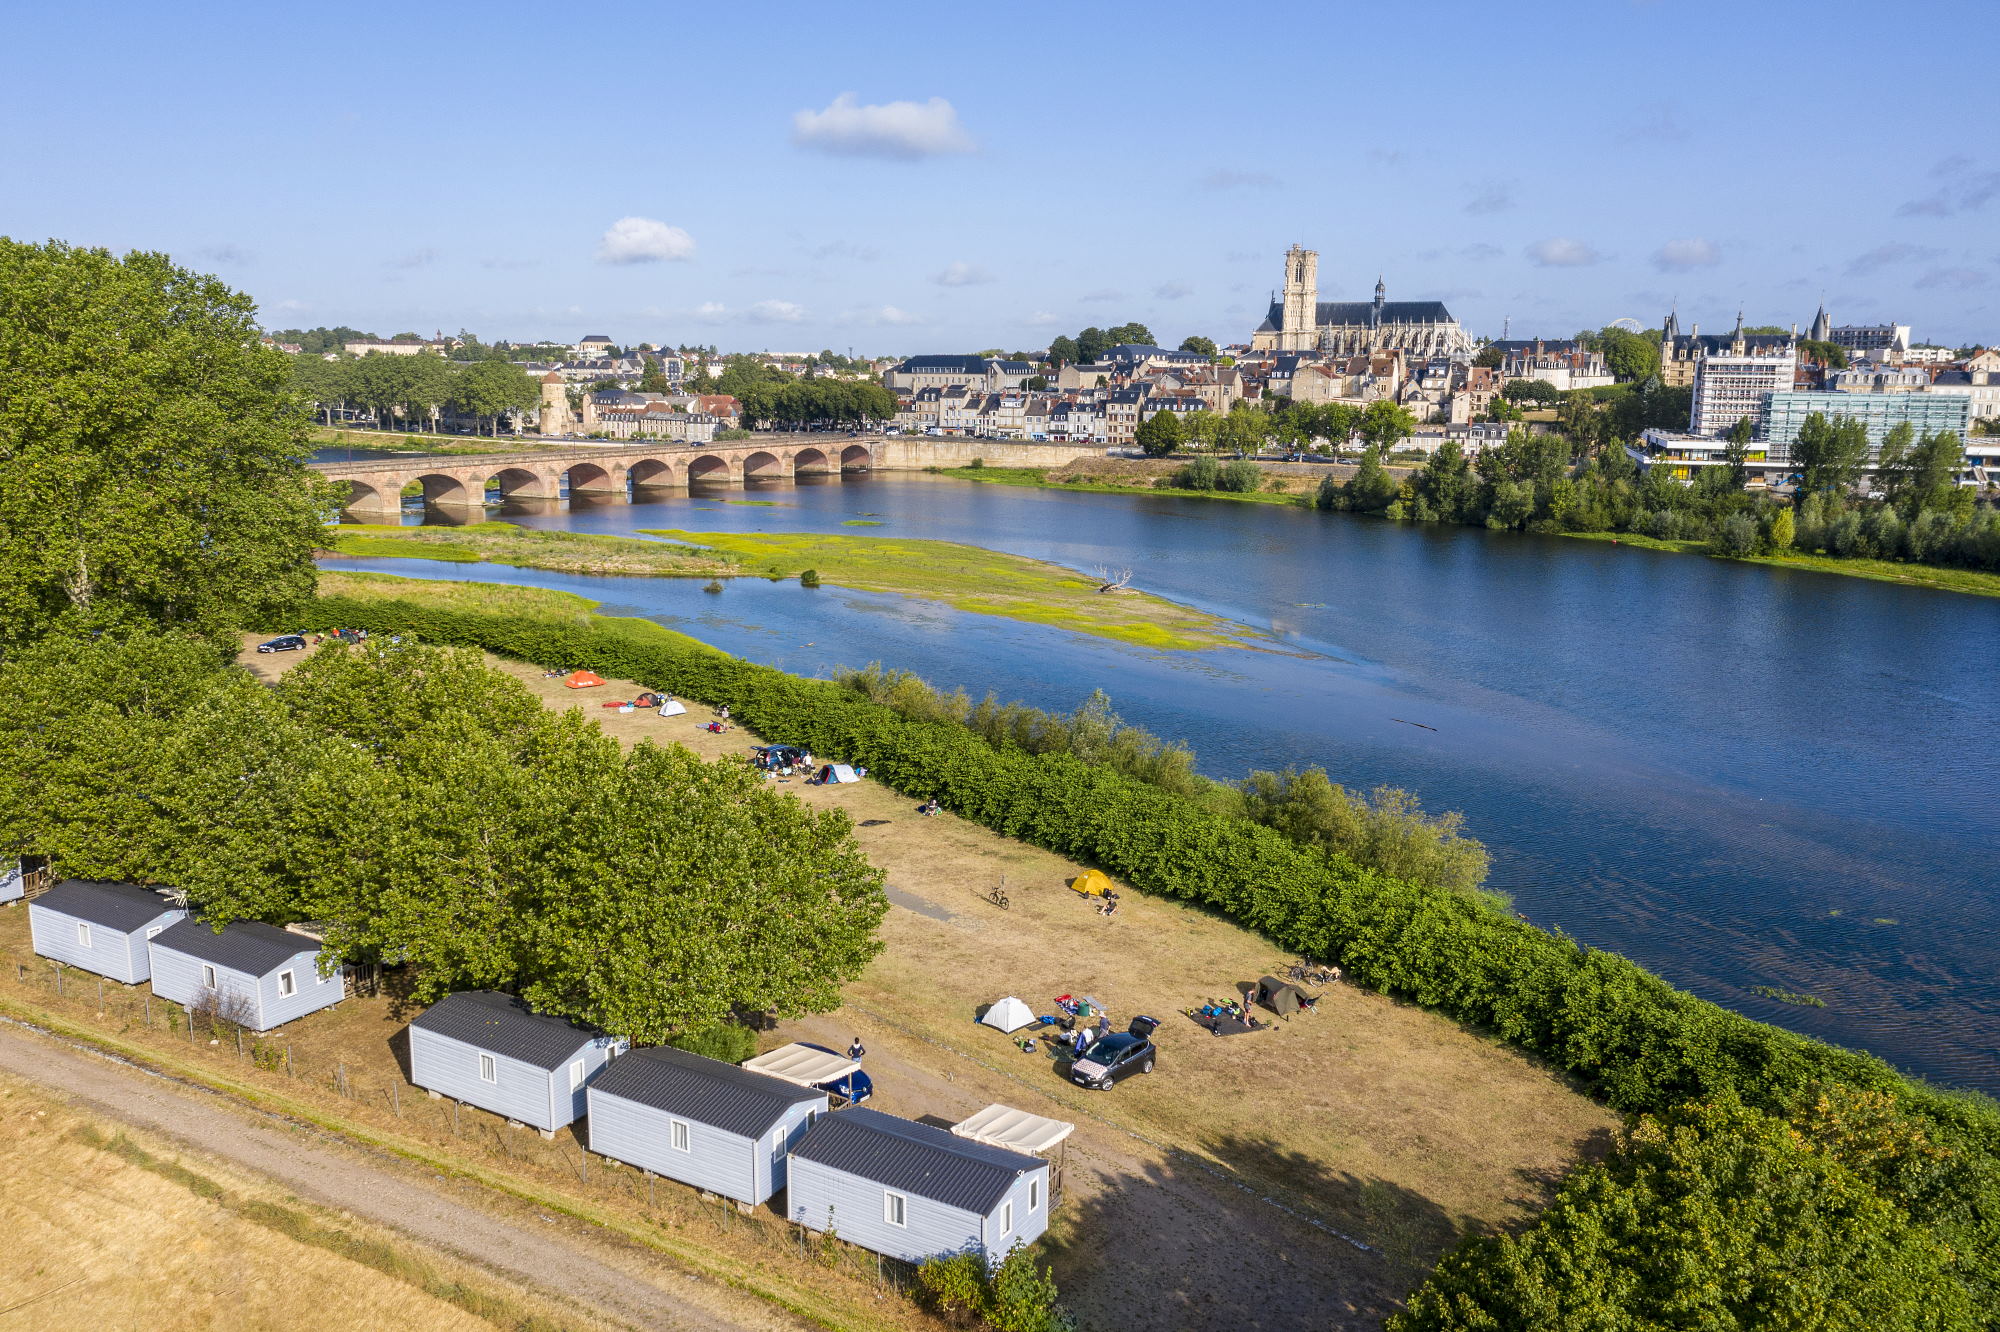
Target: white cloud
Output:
{"points": [[889, 316], [1951, 278], [1042, 319], [1678, 256], [227, 252], [1225, 178], [1102, 294], [1496, 196], [840, 249], [776, 312], [1172, 291], [1885, 256], [710, 311], [907, 130], [641, 240], [959, 273], [1562, 252]]}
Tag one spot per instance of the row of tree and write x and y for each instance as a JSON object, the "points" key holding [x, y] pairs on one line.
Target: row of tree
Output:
{"points": [[416, 391], [1248, 427]]}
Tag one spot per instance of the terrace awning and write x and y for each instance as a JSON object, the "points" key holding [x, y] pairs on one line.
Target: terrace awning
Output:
{"points": [[803, 1064], [1014, 1130]]}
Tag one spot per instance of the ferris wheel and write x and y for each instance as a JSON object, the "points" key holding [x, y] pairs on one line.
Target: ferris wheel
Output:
{"points": [[1628, 323]]}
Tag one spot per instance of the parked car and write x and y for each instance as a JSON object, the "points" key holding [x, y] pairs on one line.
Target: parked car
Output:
{"points": [[284, 643], [1111, 1059]]}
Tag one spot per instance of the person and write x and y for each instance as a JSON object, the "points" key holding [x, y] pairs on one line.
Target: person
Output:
{"points": [[929, 807], [1110, 906], [723, 712], [1103, 1027], [1335, 973], [856, 1050], [1079, 1040]]}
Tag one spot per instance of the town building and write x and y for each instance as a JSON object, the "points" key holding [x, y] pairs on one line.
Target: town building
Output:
{"points": [[1980, 389], [1562, 364], [1786, 410], [1732, 378], [1681, 353], [703, 1122], [103, 928], [1299, 321], [493, 1051], [922, 372]]}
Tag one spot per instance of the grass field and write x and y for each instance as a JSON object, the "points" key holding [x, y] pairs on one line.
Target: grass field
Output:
{"points": [[1372, 1118], [971, 578], [1055, 478], [545, 605], [110, 1229], [527, 548]]}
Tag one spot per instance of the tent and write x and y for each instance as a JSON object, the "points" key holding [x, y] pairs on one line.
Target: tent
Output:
{"points": [[1092, 883], [582, 680], [1010, 1014], [840, 772], [673, 707], [1279, 996]]}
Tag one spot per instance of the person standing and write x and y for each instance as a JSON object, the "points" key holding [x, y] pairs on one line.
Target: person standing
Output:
{"points": [[857, 1051]]}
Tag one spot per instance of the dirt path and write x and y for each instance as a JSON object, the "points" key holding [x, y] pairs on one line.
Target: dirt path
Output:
{"points": [[621, 1287]]}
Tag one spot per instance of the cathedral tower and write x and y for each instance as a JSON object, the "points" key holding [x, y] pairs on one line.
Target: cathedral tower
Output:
{"points": [[1301, 327]]}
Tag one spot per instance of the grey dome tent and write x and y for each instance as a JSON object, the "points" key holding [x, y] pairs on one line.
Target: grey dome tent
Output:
{"points": [[1280, 997]]}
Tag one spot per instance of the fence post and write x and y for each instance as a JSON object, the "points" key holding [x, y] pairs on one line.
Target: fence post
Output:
{"points": [[395, 1099], [100, 992], [149, 1010], [239, 1042], [288, 1062], [59, 972]]}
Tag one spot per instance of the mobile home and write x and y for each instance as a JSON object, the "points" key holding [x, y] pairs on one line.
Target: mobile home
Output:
{"points": [[491, 1050], [257, 975], [101, 927]]}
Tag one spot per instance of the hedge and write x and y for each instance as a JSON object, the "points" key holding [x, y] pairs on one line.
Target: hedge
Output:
{"points": [[1633, 1039]]}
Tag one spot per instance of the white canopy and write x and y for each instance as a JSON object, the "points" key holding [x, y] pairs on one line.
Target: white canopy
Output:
{"points": [[673, 707], [1014, 1130], [1010, 1014], [802, 1064]]}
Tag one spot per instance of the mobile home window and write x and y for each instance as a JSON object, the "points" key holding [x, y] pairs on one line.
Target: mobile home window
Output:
{"points": [[1007, 1217], [1034, 1194], [895, 1209], [288, 983], [207, 977], [678, 1135], [488, 1072], [83, 933], [576, 1075]]}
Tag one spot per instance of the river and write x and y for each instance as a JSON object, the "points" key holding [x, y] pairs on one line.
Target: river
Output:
{"points": [[1734, 774]]}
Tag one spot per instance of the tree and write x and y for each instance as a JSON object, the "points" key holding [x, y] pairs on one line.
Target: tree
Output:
{"points": [[1490, 356], [1371, 489], [1384, 424], [1629, 356], [1338, 421], [1919, 475], [1830, 453], [1091, 344], [1716, 1216], [1062, 351], [1036, 383], [1244, 429], [1201, 429], [1784, 530], [152, 455], [1829, 354], [1158, 435], [1134, 332], [1736, 453], [491, 389], [654, 378], [1199, 345], [1529, 390]]}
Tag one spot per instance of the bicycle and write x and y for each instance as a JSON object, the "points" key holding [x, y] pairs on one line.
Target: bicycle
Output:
{"points": [[998, 897]]}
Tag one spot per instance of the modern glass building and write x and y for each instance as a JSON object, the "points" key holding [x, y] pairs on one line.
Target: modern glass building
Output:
{"points": [[1787, 409]]}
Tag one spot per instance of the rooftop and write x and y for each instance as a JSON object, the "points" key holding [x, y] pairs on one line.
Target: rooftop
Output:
{"points": [[704, 1090], [245, 945], [914, 1158], [502, 1024], [117, 906]]}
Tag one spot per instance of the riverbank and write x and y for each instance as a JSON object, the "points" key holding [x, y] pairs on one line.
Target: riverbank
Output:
{"points": [[527, 548], [1973, 582], [397, 441], [974, 579]]}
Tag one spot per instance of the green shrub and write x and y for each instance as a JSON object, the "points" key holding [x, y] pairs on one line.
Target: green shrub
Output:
{"points": [[1199, 473], [1240, 477], [1015, 1296], [809, 578]]}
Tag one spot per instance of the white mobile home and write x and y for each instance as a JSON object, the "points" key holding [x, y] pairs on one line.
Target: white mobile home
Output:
{"points": [[700, 1121], [914, 1192], [101, 927], [258, 975], [493, 1051]]}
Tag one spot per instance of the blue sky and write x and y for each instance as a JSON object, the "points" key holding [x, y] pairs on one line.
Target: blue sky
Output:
{"points": [[744, 175]]}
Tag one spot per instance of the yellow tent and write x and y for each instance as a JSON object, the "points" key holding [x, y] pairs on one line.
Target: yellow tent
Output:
{"points": [[1091, 883]]}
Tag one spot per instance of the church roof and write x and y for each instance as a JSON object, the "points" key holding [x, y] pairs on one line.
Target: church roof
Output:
{"points": [[1363, 312]]}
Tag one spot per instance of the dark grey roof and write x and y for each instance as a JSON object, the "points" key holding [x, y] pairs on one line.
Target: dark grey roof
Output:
{"points": [[246, 945], [1013, 367], [914, 1158], [116, 906], [1551, 346], [1141, 351], [1363, 312], [704, 1090], [503, 1025], [973, 365]]}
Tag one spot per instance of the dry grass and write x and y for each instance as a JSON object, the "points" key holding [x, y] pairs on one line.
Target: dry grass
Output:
{"points": [[114, 1230]]}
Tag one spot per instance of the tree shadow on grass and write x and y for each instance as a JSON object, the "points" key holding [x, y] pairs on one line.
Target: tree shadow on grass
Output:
{"points": [[1183, 1246]]}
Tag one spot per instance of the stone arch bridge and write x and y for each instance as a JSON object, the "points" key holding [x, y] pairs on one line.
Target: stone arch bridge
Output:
{"points": [[461, 480]]}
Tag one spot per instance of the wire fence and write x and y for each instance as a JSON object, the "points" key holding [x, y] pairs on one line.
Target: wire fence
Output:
{"points": [[321, 1063]]}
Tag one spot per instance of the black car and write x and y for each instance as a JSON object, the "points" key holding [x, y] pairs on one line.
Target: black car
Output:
{"points": [[1111, 1059], [284, 643]]}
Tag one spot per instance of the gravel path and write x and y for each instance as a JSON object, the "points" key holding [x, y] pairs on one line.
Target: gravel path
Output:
{"points": [[624, 1287]]}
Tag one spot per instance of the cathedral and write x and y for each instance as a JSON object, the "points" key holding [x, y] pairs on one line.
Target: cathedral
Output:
{"points": [[1300, 321]]}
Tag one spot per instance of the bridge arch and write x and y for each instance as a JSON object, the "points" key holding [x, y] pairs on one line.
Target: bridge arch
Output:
{"points": [[810, 462], [522, 483], [655, 472], [763, 463], [710, 468], [588, 478], [444, 488], [856, 457], [385, 495]]}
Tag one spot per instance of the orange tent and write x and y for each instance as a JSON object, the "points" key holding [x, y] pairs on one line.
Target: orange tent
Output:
{"points": [[582, 680]]}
